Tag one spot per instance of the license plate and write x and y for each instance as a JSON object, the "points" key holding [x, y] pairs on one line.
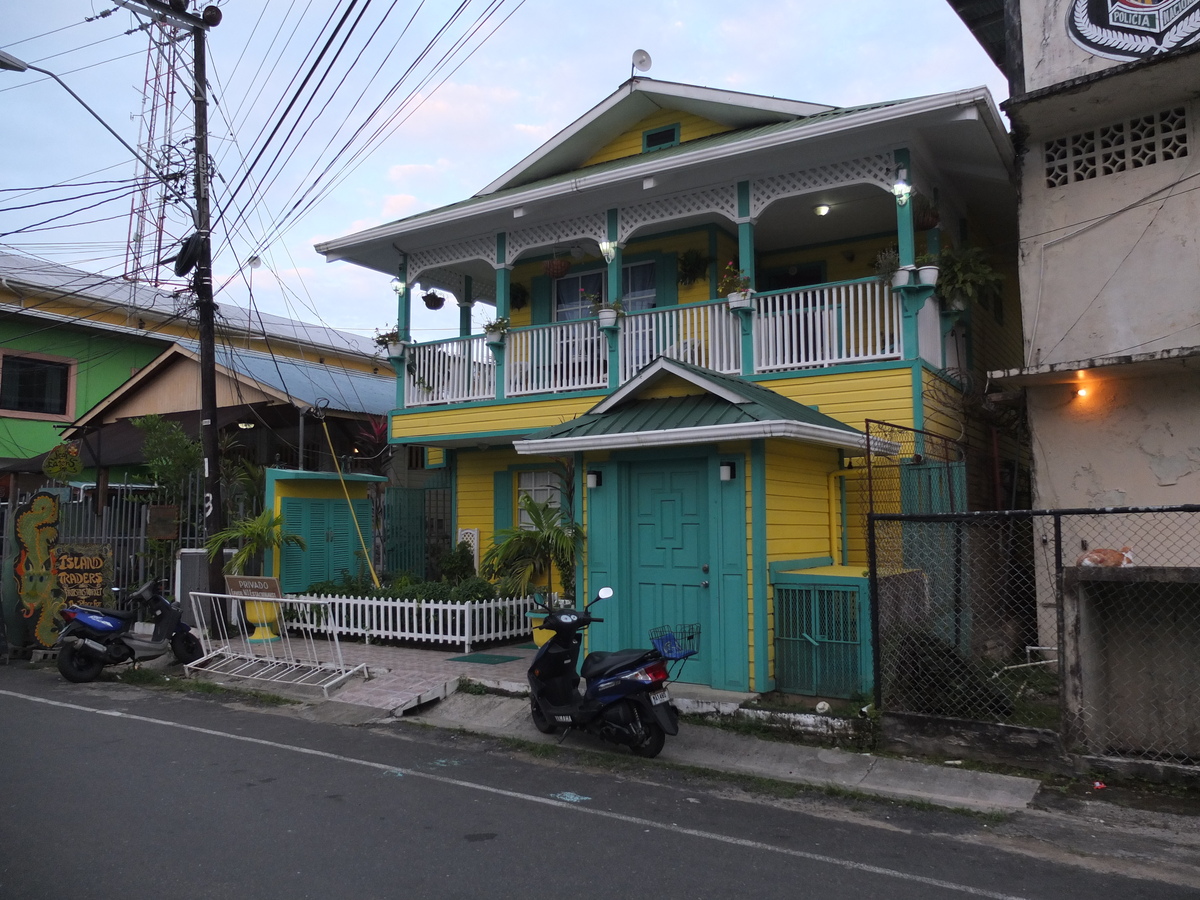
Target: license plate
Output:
{"points": [[659, 697]]}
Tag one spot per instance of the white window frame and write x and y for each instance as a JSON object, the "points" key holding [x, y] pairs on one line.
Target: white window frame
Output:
{"points": [[543, 485], [633, 302]]}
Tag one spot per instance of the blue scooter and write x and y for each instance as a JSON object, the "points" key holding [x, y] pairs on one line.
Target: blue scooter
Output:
{"points": [[625, 699], [93, 638]]}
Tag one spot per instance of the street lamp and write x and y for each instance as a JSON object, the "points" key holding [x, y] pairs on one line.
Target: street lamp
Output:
{"points": [[10, 63]]}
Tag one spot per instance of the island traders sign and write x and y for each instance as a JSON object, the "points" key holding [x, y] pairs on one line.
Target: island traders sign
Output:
{"points": [[1133, 29]]}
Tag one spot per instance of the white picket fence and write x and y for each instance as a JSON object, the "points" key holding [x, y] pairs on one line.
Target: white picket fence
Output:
{"points": [[417, 620]]}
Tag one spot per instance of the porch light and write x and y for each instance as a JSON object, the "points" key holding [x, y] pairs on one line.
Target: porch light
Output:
{"points": [[728, 471], [245, 426], [608, 249], [595, 479], [1081, 392], [398, 285], [901, 188], [821, 209]]}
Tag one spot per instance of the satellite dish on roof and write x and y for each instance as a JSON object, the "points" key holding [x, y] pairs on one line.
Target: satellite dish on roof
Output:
{"points": [[642, 60]]}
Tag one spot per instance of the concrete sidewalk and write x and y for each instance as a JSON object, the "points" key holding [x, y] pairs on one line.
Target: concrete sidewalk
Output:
{"points": [[405, 682]]}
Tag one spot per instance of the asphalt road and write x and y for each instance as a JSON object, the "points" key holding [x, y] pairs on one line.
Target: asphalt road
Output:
{"points": [[109, 791]]}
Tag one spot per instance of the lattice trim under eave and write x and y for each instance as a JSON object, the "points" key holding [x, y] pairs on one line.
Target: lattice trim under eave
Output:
{"points": [[592, 227], [721, 199], [464, 251], [878, 169]]}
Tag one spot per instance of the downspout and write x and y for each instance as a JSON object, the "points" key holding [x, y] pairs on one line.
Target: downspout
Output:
{"points": [[836, 535], [16, 293]]}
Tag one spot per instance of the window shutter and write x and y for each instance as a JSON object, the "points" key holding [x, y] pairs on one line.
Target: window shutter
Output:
{"points": [[666, 276], [502, 500], [541, 300]]}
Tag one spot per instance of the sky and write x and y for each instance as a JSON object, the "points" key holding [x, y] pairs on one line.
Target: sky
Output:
{"points": [[465, 90]]}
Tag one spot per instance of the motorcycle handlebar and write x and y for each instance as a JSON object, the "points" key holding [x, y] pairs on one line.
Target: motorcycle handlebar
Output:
{"points": [[595, 619]]}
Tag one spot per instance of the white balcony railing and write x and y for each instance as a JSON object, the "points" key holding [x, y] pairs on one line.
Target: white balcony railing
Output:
{"points": [[449, 372], [703, 334], [831, 324], [567, 356], [851, 322]]}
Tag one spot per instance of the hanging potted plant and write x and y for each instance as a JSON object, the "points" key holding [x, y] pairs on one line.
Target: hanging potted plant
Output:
{"points": [[693, 265], [734, 284], [390, 343], [433, 300], [966, 275], [557, 266], [518, 295]]}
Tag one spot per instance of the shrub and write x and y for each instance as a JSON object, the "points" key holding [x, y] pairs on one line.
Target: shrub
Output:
{"points": [[473, 589]]}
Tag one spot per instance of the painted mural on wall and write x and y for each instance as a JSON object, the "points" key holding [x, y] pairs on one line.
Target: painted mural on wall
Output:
{"points": [[38, 592], [1133, 29]]}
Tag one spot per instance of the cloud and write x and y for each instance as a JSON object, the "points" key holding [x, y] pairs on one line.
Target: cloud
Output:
{"points": [[397, 206]]}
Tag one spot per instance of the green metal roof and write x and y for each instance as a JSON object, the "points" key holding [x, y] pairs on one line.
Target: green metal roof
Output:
{"points": [[625, 413]]}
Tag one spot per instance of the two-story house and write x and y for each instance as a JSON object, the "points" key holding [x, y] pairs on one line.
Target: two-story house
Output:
{"points": [[709, 443]]}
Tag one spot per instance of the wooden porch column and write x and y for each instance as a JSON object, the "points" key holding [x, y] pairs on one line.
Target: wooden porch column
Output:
{"points": [[913, 296], [745, 233], [403, 328], [465, 302], [503, 297], [614, 294]]}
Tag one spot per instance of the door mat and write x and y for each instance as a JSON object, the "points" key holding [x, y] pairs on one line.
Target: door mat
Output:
{"points": [[530, 646], [487, 659]]}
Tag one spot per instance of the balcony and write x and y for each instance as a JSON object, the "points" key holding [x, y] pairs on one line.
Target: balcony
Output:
{"points": [[817, 327]]}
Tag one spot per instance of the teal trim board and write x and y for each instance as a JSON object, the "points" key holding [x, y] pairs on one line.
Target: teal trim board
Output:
{"points": [[762, 681]]}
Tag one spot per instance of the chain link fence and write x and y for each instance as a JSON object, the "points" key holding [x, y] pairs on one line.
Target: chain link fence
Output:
{"points": [[1086, 622]]}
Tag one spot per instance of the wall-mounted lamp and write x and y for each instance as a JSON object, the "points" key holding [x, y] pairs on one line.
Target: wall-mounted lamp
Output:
{"points": [[608, 249], [1081, 392], [245, 426], [728, 471], [902, 189], [595, 479], [398, 285], [821, 209]]}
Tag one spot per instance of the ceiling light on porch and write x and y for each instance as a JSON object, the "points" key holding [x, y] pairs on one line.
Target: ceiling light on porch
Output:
{"points": [[821, 209], [245, 426], [901, 188]]}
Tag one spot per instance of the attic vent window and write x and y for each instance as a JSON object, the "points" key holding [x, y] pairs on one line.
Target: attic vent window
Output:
{"points": [[658, 138]]}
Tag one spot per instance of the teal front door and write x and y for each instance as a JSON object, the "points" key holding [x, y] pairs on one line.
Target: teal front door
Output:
{"points": [[668, 566]]}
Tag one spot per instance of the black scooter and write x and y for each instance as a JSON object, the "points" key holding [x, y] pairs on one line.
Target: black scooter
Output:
{"points": [[93, 638], [625, 698]]}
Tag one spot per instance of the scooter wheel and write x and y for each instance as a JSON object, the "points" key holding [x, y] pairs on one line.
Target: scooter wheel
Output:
{"points": [[75, 667], [186, 647], [540, 722], [652, 745]]}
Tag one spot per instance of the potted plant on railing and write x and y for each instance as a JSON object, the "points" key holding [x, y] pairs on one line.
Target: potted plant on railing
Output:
{"points": [[888, 268], [735, 285], [390, 343], [495, 329], [927, 268], [607, 311]]}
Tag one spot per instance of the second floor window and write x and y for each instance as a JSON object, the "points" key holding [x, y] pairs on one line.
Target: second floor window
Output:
{"points": [[573, 294], [32, 385]]}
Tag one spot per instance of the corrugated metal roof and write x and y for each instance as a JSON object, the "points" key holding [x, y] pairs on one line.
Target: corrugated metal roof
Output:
{"points": [[309, 382], [23, 271]]}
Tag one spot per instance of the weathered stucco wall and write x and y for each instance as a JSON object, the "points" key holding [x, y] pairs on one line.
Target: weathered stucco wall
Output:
{"points": [[1111, 263], [1050, 54], [1136, 441]]}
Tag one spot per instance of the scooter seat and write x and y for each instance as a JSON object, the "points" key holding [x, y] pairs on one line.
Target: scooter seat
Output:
{"points": [[123, 614], [602, 662]]}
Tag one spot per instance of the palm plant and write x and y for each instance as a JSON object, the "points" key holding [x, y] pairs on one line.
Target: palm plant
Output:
{"points": [[525, 557], [255, 536]]}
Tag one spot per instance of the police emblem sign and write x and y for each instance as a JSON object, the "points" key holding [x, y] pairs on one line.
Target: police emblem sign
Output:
{"points": [[1133, 29]]}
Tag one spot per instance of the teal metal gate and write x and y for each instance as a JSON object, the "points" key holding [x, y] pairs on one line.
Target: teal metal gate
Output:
{"points": [[822, 633]]}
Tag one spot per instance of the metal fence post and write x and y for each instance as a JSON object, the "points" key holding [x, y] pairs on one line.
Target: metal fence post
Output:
{"points": [[873, 589]]}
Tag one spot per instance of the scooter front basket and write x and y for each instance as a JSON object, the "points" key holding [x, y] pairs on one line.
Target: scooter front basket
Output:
{"points": [[679, 642]]}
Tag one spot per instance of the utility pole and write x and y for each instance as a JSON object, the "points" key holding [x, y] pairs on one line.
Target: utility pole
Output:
{"points": [[197, 249]]}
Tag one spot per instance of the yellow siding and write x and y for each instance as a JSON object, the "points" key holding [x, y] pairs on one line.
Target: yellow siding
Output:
{"points": [[454, 420], [691, 127], [854, 397], [473, 483]]}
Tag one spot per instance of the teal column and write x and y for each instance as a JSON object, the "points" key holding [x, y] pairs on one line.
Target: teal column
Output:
{"points": [[714, 264], [404, 304], [758, 559], [905, 236], [614, 264], [503, 276], [746, 319], [464, 308], [745, 233]]}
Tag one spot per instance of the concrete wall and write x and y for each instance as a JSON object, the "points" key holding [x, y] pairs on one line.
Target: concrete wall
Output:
{"points": [[1132, 441], [1050, 54], [1110, 264]]}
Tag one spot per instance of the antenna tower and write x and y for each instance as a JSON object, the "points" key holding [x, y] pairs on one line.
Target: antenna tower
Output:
{"points": [[156, 224]]}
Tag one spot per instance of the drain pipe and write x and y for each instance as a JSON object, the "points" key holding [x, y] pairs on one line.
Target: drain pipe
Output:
{"points": [[12, 290]]}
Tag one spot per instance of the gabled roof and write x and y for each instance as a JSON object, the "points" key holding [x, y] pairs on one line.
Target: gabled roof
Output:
{"points": [[20, 274], [710, 407], [257, 377], [633, 102]]}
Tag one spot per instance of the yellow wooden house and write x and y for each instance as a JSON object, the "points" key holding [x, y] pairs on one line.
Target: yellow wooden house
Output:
{"points": [[710, 441]]}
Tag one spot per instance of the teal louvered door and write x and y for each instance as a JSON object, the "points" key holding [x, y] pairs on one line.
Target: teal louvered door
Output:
{"points": [[332, 548]]}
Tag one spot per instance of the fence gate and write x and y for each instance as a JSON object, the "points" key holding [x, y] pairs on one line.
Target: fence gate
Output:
{"points": [[404, 542], [822, 635]]}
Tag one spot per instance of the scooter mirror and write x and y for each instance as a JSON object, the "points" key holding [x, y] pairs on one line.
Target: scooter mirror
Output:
{"points": [[604, 593]]}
